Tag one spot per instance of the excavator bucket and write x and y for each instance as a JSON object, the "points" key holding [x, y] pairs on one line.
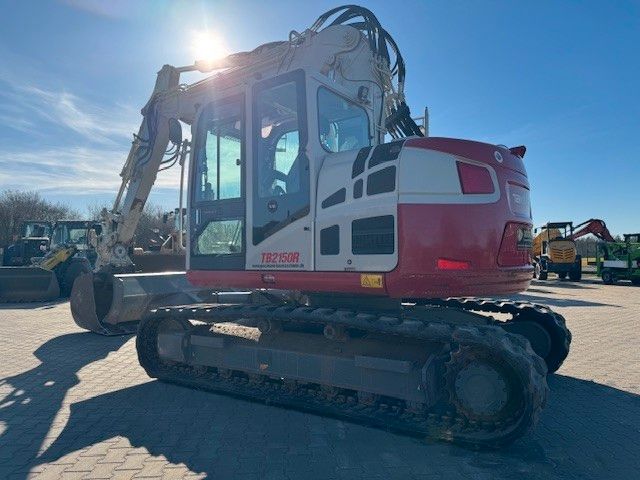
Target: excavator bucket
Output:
{"points": [[28, 284], [114, 304]]}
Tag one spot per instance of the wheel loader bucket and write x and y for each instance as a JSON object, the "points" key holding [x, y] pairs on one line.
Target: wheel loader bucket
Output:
{"points": [[28, 284], [114, 304]]}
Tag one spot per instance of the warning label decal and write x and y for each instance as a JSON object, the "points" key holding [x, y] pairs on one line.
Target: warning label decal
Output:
{"points": [[371, 280]]}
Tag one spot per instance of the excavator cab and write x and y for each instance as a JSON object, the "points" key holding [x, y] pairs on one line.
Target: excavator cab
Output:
{"points": [[255, 175]]}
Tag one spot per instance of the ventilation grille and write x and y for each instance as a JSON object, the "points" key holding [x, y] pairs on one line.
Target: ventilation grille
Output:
{"points": [[373, 236]]}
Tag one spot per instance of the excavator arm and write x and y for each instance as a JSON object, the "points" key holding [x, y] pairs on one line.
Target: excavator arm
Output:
{"points": [[593, 226], [147, 155]]}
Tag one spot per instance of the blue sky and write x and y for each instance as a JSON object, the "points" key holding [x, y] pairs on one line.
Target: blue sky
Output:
{"points": [[561, 77]]}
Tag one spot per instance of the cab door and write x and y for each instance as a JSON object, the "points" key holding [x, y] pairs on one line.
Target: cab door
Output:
{"points": [[280, 212], [217, 217]]}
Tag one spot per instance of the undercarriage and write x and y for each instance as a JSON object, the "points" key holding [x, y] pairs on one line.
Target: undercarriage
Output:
{"points": [[437, 371]]}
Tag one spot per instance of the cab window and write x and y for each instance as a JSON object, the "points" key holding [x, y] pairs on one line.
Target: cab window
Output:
{"points": [[219, 156], [281, 185], [278, 146], [284, 160], [343, 125]]}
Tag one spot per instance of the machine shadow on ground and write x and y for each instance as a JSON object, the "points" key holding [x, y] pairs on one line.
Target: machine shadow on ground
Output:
{"points": [[222, 436], [585, 284], [31, 400], [31, 305], [554, 301], [556, 283]]}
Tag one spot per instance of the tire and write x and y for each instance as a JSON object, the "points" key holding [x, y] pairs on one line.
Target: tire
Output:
{"points": [[608, 277], [73, 271], [562, 275], [635, 281]]}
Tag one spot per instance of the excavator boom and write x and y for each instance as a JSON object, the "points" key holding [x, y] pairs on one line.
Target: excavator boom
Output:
{"points": [[111, 299], [593, 226]]}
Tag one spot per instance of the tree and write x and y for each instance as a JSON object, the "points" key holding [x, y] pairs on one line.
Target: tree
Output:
{"points": [[586, 246], [151, 227], [17, 207]]}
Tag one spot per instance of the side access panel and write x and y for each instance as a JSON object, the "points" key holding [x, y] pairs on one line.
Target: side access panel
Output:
{"points": [[356, 210]]}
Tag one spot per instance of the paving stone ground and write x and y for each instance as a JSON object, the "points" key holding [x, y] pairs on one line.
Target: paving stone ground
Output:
{"points": [[77, 405]]}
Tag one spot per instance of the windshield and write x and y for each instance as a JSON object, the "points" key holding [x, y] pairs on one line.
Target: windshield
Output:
{"points": [[36, 230], [75, 234]]}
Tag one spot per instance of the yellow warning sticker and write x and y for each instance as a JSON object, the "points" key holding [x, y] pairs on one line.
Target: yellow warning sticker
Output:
{"points": [[370, 281]]}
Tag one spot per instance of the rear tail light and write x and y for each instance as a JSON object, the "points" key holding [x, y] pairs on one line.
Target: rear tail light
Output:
{"points": [[516, 245], [448, 264], [474, 178]]}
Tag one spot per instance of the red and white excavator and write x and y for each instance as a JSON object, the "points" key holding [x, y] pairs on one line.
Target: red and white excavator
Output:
{"points": [[354, 250]]}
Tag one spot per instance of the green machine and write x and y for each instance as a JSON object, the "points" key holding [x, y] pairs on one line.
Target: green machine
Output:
{"points": [[620, 260]]}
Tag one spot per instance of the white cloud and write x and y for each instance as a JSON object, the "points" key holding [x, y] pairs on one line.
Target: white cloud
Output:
{"points": [[63, 144], [20, 124], [23, 104], [70, 144], [71, 170], [111, 9]]}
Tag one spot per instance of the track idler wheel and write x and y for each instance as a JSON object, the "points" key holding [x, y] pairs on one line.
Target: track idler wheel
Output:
{"points": [[149, 330], [497, 387], [548, 335]]}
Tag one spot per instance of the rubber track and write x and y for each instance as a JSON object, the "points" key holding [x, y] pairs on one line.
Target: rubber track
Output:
{"points": [[514, 350], [553, 322]]}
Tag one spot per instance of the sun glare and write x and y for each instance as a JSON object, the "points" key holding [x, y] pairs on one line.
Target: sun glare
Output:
{"points": [[207, 46]]}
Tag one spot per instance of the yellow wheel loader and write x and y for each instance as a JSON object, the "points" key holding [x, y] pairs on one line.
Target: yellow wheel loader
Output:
{"points": [[49, 272], [554, 247], [48, 278]]}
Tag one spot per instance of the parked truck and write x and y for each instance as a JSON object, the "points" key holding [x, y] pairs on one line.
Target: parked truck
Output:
{"points": [[619, 260]]}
